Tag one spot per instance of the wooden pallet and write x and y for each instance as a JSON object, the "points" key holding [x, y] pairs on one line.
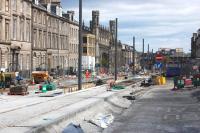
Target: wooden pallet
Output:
{"points": [[18, 93]]}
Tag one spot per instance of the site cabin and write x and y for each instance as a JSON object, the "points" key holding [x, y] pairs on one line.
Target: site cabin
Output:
{"points": [[40, 76]]}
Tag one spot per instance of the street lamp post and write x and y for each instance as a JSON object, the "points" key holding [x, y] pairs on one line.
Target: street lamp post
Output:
{"points": [[143, 65], [116, 44], [133, 55], [80, 47], [148, 60]]}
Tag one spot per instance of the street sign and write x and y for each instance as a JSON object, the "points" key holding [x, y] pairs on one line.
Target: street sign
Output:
{"points": [[158, 65], [159, 57]]}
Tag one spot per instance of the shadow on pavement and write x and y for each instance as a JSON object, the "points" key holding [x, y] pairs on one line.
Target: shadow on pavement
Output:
{"points": [[196, 94]]}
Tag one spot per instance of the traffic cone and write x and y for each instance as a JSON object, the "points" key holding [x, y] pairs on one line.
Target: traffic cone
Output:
{"points": [[33, 81]]}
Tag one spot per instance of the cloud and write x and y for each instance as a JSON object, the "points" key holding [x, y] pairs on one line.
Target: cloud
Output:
{"points": [[166, 23]]}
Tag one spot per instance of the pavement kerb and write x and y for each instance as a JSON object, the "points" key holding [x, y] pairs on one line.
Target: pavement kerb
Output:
{"points": [[42, 128]]}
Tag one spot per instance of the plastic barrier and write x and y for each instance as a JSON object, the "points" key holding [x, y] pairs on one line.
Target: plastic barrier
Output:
{"points": [[163, 80], [118, 87], [188, 82], [158, 80], [180, 84], [44, 88]]}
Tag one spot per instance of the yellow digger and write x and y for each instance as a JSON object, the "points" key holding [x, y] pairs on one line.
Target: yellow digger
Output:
{"points": [[40, 76]]}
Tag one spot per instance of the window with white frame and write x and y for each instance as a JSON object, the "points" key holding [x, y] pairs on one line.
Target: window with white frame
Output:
{"points": [[14, 5], [22, 29], [49, 40], [0, 26], [28, 30], [14, 28], [34, 15], [22, 5], [34, 38], [44, 39], [7, 7], [28, 62], [40, 39], [7, 29], [44, 19]]}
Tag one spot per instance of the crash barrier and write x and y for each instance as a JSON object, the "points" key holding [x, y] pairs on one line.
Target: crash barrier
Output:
{"points": [[70, 88], [86, 85], [180, 82], [74, 88]]}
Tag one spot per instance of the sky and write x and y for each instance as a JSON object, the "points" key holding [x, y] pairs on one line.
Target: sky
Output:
{"points": [[162, 23]]}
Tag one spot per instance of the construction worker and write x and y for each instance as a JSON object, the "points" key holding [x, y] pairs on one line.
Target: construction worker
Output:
{"points": [[2, 81]]}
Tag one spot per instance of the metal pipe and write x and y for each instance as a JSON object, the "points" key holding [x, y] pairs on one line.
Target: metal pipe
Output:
{"points": [[80, 47], [116, 44]]}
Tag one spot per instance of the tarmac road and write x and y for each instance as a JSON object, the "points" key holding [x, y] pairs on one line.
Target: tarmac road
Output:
{"points": [[161, 110]]}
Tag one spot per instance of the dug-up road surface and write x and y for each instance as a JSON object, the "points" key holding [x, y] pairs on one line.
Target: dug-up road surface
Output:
{"points": [[161, 110]]}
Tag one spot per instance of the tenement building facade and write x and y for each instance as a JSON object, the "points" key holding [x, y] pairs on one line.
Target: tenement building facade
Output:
{"points": [[39, 36], [73, 41], [15, 36], [50, 37], [5, 34]]}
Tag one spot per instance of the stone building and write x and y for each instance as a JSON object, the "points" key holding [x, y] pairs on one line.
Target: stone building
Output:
{"points": [[39, 37], [195, 45], [50, 37], [127, 55], [88, 60], [177, 52], [15, 36], [102, 41], [73, 41], [57, 40], [5, 34]]}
